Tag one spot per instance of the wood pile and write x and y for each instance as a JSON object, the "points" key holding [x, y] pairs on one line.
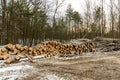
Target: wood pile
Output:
{"points": [[12, 53], [52, 48]]}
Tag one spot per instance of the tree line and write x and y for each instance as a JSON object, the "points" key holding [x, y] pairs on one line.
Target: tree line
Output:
{"points": [[29, 22]]}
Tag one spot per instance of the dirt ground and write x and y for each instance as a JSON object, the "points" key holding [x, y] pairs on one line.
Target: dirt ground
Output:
{"points": [[104, 64]]}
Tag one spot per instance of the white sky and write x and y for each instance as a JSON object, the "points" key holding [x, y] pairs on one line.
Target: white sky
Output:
{"points": [[76, 4], [80, 5]]}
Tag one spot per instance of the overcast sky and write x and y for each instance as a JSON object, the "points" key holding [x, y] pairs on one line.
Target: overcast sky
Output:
{"points": [[80, 5], [76, 4]]}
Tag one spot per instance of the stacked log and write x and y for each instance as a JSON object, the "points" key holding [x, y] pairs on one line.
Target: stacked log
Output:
{"points": [[3, 53], [11, 53], [48, 48], [52, 48]]}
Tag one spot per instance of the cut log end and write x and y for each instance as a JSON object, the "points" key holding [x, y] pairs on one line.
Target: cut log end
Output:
{"points": [[8, 60], [10, 46], [18, 46], [17, 57]]}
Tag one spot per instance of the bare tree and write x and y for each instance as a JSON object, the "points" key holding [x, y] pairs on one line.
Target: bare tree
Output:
{"points": [[87, 17], [112, 17], [57, 6], [102, 22]]}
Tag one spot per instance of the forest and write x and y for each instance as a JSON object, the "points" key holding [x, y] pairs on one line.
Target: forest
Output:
{"points": [[29, 22]]}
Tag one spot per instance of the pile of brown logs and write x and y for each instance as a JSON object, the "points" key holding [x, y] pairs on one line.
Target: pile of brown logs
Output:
{"points": [[12, 53], [52, 48], [9, 53]]}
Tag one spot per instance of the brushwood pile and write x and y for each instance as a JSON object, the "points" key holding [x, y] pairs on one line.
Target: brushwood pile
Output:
{"points": [[12, 53]]}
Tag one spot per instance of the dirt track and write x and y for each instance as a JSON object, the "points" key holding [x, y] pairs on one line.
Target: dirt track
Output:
{"points": [[101, 65], [85, 68]]}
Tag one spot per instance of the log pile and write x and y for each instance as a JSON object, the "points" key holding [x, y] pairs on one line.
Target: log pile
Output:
{"points": [[12, 53], [9, 53], [52, 48]]}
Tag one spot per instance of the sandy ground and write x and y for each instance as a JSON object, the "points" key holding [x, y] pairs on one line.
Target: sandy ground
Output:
{"points": [[101, 65]]}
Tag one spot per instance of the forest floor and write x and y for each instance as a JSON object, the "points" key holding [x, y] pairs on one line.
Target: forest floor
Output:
{"points": [[104, 64]]}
